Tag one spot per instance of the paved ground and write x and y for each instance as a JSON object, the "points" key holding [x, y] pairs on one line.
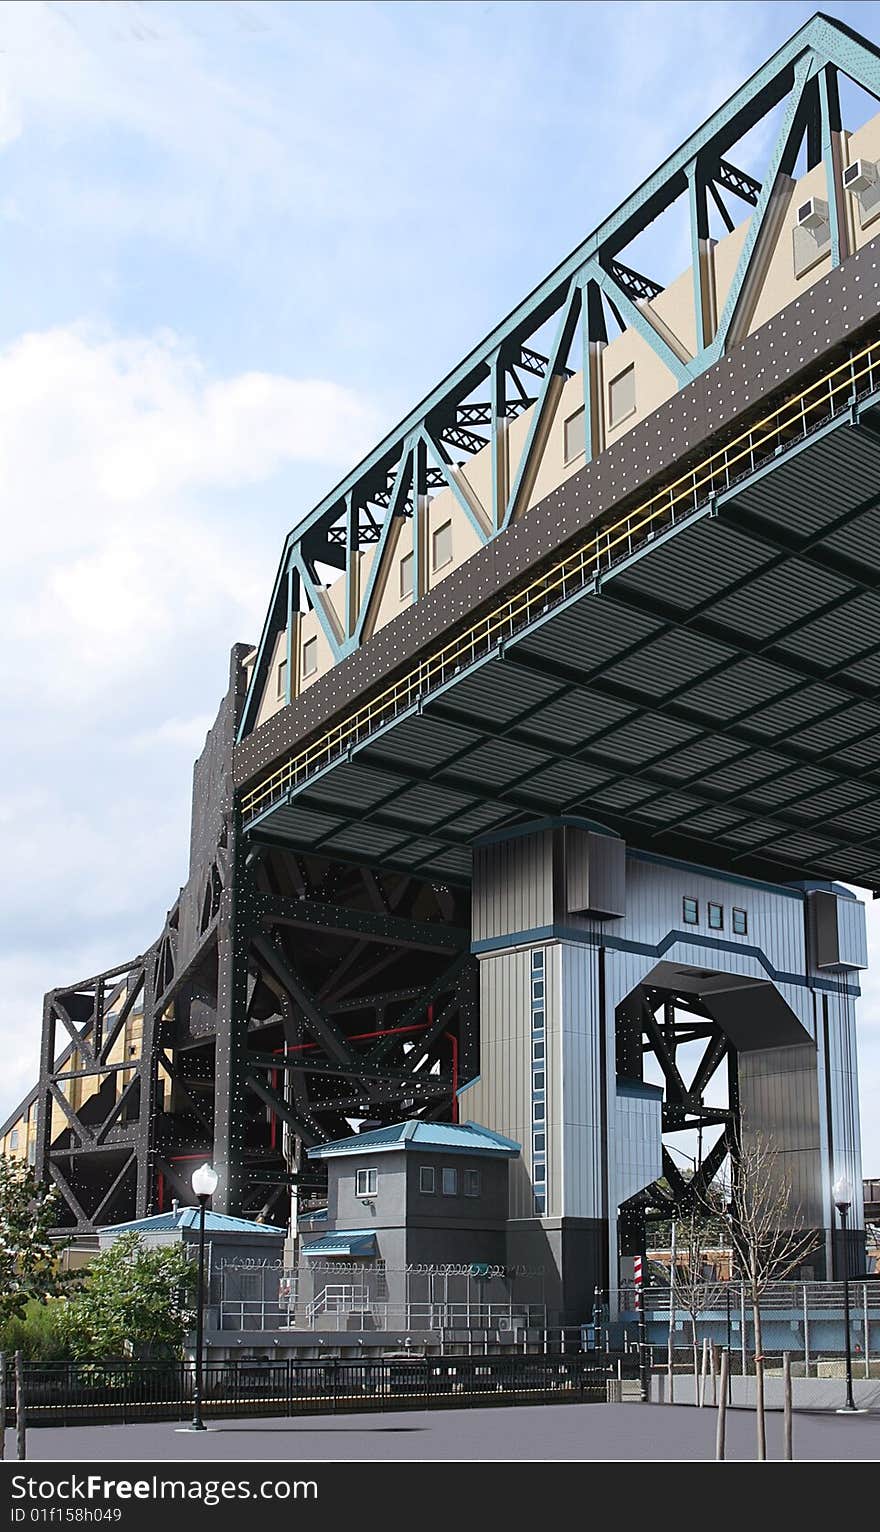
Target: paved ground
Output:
{"points": [[528, 1433]]}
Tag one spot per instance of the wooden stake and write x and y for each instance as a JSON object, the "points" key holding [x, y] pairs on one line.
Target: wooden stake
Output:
{"points": [[722, 1408]]}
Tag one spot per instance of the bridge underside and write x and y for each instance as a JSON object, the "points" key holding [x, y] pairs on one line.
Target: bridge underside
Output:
{"points": [[720, 690]]}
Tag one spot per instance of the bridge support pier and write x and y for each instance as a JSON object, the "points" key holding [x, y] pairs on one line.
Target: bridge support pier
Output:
{"points": [[631, 1030]]}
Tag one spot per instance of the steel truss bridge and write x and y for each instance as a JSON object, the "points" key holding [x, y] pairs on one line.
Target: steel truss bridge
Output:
{"points": [[679, 640]]}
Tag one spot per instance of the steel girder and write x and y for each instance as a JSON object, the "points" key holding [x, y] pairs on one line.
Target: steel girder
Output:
{"points": [[349, 994], [659, 1022], [436, 440]]}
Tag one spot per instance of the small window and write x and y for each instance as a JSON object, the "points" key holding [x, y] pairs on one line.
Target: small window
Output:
{"points": [[537, 1021], [574, 443], [538, 1142], [538, 1111], [539, 1172], [366, 1183], [281, 679], [441, 546], [449, 1182], [537, 989], [622, 396], [32, 1154], [540, 1205], [407, 565], [716, 917], [472, 1187], [427, 1180], [13, 1139], [740, 923], [538, 1080], [690, 911], [310, 657], [537, 1049], [538, 959]]}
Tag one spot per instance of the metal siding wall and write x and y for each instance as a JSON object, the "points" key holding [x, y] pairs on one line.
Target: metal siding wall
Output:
{"points": [[779, 1098], [853, 933], [653, 903], [581, 1146], [501, 1098], [846, 1157], [638, 1144], [512, 886]]}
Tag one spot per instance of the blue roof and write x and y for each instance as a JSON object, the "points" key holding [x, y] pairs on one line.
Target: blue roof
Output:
{"points": [[447, 1137], [343, 1242], [188, 1218]]}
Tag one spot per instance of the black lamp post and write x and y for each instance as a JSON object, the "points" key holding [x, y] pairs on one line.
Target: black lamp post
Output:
{"points": [[204, 1184], [842, 1193]]}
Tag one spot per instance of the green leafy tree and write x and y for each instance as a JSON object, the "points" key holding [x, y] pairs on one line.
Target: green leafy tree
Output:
{"points": [[134, 1301], [28, 1257]]}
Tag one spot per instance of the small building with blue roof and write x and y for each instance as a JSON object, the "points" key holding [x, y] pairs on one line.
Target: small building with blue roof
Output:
{"points": [[411, 1194]]}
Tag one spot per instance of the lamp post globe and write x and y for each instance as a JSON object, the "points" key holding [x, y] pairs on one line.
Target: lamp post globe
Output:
{"points": [[842, 1193], [205, 1181]]}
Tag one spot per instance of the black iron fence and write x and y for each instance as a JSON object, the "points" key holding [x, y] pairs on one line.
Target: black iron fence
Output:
{"points": [[72, 1393]]}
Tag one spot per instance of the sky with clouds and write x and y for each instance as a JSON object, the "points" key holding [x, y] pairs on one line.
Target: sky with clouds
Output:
{"points": [[237, 242]]}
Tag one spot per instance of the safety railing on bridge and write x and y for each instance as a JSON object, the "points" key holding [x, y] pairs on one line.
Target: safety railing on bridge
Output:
{"points": [[794, 419], [803, 1318]]}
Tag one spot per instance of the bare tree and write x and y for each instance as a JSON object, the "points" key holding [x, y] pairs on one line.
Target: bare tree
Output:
{"points": [[695, 1288], [767, 1232]]}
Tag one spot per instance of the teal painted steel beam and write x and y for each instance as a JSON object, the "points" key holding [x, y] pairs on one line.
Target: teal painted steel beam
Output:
{"points": [[314, 593], [781, 163], [720, 132], [821, 43], [392, 516], [634, 318], [444, 462], [543, 408]]}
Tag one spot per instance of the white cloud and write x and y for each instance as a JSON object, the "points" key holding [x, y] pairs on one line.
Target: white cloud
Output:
{"points": [[144, 502], [109, 449]]}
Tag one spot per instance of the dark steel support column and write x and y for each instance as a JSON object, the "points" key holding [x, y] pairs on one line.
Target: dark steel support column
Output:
{"points": [[230, 1090]]}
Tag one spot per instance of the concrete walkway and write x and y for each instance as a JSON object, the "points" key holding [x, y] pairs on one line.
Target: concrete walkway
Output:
{"points": [[527, 1434]]}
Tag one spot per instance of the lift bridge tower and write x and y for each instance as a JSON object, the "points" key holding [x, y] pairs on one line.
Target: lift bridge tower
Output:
{"points": [[543, 795]]}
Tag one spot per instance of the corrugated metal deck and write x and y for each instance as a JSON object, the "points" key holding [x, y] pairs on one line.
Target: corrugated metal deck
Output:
{"points": [[721, 692]]}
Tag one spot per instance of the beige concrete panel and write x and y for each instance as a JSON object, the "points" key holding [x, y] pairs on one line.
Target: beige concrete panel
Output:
{"points": [[270, 702], [445, 508], [861, 145], [387, 600], [726, 257], [654, 383], [780, 285], [675, 308], [310, 628], [553, 469], [477, 472]]}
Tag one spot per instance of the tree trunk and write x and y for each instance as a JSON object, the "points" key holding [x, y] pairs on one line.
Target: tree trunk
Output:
{"points": [[760, 1417]]}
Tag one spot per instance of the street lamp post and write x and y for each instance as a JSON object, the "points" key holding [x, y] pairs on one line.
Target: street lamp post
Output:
{"points": [[204, 1184], [842, 1193]]}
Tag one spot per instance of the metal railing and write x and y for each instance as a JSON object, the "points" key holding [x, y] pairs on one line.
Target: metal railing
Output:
{"points": [[340, 1298], [795, 419], [817, 1297], [71, 1393]]}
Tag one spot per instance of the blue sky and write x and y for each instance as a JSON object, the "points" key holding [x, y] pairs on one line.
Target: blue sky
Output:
{"points": [[238, 241]]}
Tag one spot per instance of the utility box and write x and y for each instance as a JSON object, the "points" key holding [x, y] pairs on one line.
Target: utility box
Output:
{"points": [[595, 873], [836, 930]]}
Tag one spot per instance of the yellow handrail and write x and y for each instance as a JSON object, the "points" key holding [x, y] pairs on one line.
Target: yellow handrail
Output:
{"points": [[794, 419]]}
